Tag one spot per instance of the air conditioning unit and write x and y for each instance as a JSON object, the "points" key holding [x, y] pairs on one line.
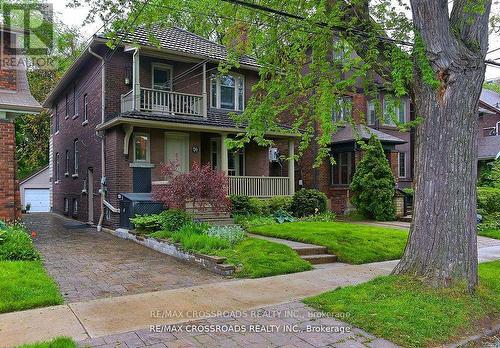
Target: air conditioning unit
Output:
{"points": [[274, 154]]}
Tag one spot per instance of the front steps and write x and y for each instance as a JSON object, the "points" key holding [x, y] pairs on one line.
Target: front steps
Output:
{"points": [[315, 254], [406, 218]]}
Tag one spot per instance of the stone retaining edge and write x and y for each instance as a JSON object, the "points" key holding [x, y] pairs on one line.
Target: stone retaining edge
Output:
{"points": [[212, 264]]}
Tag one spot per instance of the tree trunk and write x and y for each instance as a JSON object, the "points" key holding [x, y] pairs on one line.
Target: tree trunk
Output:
{"points": [[442, 246]]}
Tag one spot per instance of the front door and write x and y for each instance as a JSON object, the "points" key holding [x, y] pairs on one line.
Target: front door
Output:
{"points": [[90, 195], [177, 150]]}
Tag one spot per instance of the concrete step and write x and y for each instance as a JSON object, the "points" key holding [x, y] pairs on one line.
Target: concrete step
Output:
{"points": [[320, 258], [312, 250], [406, 218]]}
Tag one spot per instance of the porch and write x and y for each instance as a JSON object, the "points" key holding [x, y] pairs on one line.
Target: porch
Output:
{"points": [[253, 171]]}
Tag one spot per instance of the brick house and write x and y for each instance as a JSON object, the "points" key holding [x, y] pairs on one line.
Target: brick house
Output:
{"points": [[489, 127], [15, 99], [118, 114]]}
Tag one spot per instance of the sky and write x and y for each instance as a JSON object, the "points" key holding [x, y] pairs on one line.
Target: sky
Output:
{"points": [[76, 17]]}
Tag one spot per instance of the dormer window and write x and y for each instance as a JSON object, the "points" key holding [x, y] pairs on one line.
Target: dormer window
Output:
{"points": [[228, 92]]}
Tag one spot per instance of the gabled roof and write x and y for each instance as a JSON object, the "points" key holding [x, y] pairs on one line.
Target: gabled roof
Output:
{"points": [[491, 99], [21, 99], [180, 40], [34, 174], [362, 132]]}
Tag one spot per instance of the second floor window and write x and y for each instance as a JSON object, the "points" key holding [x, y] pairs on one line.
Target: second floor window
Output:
{"points": [[162, 77], [66, 169], [77, 156], [75, 104], [66, 102], [394, 110], [342, 110], [56, 120], [228, 92], [85, 108], [402, 164], [371, 115], [56, 167]]}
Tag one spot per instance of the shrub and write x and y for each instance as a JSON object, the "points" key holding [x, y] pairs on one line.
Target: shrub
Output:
{"points": [[233, 234], [249, 221], [259, 206], [409, 191], [373, 184], [283, 203], [490, 174], [488, 199], [201, 243], [327, 216], [17, 245], [173, 219], [282, 216], [202, 186], [308, 202], [160, 234], [240, 205], [147, 223]]}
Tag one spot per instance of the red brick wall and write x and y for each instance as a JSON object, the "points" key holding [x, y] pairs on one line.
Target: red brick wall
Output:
{"points": [[9, 189], [8, 73]]}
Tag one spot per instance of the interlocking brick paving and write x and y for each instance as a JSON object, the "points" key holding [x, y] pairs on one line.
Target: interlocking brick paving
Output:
{"points": [[88, 264], [271, 321]]}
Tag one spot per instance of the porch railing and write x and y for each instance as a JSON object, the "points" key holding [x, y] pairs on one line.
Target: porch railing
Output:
{"points": [[164, 102], [259, 186]]}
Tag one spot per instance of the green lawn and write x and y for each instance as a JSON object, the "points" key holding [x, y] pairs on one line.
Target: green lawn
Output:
{"points": [[491, 233], [352, 243], [24, 285], [260, 258], [59, 342], [408, 313]]}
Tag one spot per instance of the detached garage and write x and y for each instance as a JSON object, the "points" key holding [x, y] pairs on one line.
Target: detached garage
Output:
{"points": [[35, 191]]}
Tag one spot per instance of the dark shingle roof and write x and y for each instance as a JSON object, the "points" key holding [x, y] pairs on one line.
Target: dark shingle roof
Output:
{"points": [[180, 40], [20, 99], [491, 98], [216, 118], [346, 134]]}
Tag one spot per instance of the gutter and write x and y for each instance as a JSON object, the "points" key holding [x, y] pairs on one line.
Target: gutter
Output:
{"points": [[102, 190]]}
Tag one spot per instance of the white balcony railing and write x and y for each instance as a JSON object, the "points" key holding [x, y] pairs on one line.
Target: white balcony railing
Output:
{"points": [[154, 100], [259, 186]]}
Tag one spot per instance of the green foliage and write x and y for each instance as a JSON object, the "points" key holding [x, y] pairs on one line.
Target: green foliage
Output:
{"points": [[409, 191], [244, 205], [58, 342], [308, 202], [488, 200], [492, 86], [259, 206], [352, 243], [249, 221], [25, 285], [282, 216], [233, 234], [240, 205], [256, 258], [283, 203], [170, 220], [199, 243], [17, 245], [327, 216], [373, 184], [489, 174], [410, 314]]}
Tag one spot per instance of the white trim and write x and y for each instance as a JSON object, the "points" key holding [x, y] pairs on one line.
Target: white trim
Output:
{"points": [[368, 116], [399, 165], [164, 67], [218, 93], [148, 147], [403, 104]]}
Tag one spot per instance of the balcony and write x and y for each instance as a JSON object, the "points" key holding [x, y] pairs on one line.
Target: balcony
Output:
{"points": [[153, 100]]}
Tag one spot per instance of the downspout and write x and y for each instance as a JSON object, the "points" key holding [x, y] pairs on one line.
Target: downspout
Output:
{"points": [[103, 137]]}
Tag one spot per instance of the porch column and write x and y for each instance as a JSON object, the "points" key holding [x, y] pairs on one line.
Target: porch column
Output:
{"points": [[224, 160], [291, 166]]}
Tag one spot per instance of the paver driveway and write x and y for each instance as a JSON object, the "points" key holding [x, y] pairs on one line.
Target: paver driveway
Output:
{"points": [[88, 264]]}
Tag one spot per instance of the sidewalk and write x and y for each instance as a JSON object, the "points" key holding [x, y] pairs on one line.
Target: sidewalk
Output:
{"points": [[104, 317]]}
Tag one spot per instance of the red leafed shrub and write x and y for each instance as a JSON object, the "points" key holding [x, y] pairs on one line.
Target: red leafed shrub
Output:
{"points": [[202, 186]]}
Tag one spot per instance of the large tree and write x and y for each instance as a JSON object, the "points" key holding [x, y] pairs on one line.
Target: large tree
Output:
{"points": [[316, 51]]}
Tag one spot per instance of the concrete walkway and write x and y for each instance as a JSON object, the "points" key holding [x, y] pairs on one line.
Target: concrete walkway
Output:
{"points": [[104, 317]]}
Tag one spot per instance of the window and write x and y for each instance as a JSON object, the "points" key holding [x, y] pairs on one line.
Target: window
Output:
{"points": [[66, 106], [236, 163], [66, 169], [141, 147], [75, 104], [56, 120], [56, 169], [402, 164], [394, 109], [228, 92], [371, 117], [342, 110], [214, 153], [85, 108], [77, 156], [162, 77], [343, 169], [66, 205], [107, 214], [75, 206]]}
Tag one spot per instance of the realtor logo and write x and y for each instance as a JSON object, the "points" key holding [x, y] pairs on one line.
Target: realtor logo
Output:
{"points": [[27, 36]]}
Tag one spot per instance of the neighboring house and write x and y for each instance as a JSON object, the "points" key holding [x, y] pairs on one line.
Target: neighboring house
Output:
{"points": [[15, 99], [114, 121], [35, 191], [489, 126]]}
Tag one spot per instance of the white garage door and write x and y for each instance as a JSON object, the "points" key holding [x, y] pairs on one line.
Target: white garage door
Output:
{"points": [[38, 198]]}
